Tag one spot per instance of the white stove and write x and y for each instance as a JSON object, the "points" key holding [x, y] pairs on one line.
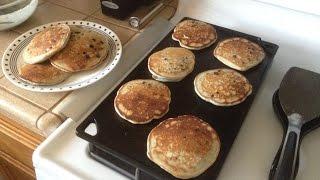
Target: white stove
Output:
{"points": [[65, 156]]}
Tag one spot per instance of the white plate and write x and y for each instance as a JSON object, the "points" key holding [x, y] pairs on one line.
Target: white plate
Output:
{"points": [[12, 59]]}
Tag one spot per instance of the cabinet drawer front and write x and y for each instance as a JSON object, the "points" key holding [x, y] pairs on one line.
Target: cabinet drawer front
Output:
{"points": [[16, 149], [11, 169]]}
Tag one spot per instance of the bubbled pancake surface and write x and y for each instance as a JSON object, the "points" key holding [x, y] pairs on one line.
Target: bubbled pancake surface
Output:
{"points": [[194, 34], [140, 101], [84, 51], [42, 74], [222, 87], [184, 146], [46, 43], [171, 64], [239, 53]]}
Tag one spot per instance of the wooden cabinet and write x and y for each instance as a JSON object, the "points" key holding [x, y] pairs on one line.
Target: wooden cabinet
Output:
{"points": [[11, 169], [17, 144]]}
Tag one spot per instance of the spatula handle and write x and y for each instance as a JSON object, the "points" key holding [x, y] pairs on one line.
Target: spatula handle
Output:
{"points": [[276, 161], [288, 157]]}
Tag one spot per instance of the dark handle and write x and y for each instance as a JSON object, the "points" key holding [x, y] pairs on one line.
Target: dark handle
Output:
{"points": [[287, 160], [276, 161]]}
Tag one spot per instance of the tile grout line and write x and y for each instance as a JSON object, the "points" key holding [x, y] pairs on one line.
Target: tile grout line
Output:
{"points": [[36, 121], [57, 103], [22, 98], [60, 118], [36, 125], [94, 12], [45, 110]]}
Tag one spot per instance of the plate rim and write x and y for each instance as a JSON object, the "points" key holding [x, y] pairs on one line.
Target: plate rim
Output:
{"points": [[7, 71]]}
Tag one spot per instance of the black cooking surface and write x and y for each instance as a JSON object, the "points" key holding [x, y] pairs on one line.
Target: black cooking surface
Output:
{"points": [[127, 141]]}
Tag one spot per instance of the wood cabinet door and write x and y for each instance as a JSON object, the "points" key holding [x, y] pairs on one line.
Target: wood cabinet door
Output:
{"points": [[11, 169]]}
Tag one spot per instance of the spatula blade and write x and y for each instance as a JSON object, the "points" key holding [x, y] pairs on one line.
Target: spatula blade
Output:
{"points": [[300, 93]]}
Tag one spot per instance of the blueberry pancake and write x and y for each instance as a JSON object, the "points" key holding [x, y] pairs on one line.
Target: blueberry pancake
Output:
{"points": [[194, 35], [239, 53]]}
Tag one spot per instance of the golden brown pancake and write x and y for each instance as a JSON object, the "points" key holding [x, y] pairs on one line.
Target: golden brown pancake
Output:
{"points": [[84, 51], [171, 64], [46, 43], [222, 87], [194, 35], [140, 101], [42, 74], [239, 53], [184, 146]]}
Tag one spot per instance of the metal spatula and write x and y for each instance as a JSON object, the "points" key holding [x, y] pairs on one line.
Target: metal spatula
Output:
{"points": [[299, 96]]}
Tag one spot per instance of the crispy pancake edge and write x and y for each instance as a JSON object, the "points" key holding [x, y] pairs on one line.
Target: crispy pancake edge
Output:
{"points": [[191, 47], [151, 118], [58, 63], [41, 58], [233, 65], [62, 77], [214, 151], [178, 78], [212, 101]]}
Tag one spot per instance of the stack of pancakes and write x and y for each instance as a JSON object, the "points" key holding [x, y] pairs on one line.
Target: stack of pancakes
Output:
{"points": [[56, 52], [186, 146]]}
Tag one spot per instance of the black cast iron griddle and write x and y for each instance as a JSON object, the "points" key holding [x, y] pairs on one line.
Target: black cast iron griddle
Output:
{"points": [[127, 142]]}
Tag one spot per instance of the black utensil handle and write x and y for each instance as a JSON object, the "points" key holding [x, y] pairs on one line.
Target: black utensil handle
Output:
{"points": [[287, 160], [276, 161]]}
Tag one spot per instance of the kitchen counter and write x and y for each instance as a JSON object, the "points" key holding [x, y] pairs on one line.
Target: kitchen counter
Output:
{"points": [[252, 153], [27, 118], [44, 112]]}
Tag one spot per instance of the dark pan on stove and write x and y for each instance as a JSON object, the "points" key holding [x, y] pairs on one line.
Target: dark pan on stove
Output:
{"points": [[127, 141]]}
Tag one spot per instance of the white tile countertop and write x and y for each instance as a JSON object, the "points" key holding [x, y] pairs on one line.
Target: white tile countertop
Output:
{"points": [[250, 158]]}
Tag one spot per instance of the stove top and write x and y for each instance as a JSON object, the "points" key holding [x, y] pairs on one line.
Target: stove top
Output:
{"points": [[65, 156]]}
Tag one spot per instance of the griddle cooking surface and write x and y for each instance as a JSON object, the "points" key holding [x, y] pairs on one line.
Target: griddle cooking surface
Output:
{"points": [[127, 141]]}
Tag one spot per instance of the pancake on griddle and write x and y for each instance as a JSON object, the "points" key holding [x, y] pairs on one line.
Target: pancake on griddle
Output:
{"points": [[171, 64], [194, 35], [46, 43], [222, 87], [84, 51], [184, 146], [42, 74], [140, 101], [239, 53]]}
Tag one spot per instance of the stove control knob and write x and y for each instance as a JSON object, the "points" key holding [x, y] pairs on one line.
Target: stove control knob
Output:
{"points": [[134, 22]]}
